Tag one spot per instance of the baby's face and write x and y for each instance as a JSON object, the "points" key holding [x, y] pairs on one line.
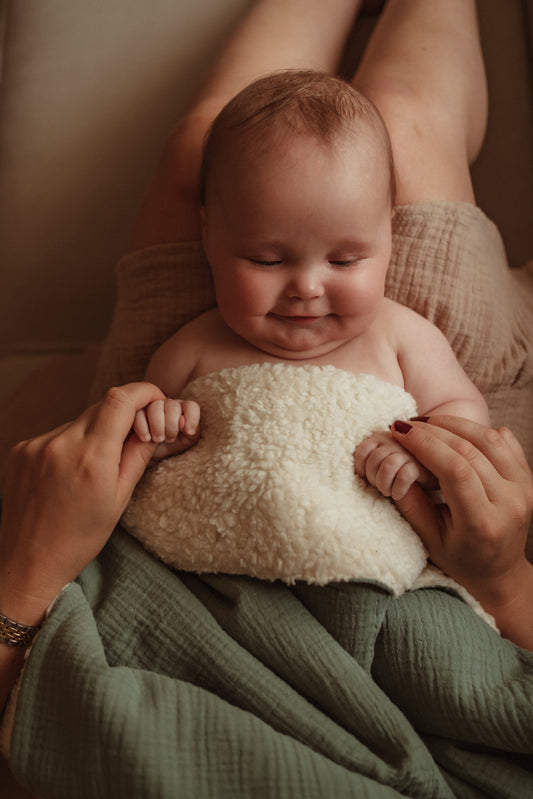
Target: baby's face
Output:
{"points": [[299, 240]]}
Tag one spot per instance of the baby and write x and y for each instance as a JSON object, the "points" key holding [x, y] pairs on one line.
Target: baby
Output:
{"points": [[298, 191]]}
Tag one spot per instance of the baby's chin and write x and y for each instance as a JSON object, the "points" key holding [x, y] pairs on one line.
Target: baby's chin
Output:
{"points": [[297, 338], [298, 352]]}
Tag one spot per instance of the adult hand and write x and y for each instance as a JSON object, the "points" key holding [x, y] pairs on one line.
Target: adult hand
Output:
{"points": [[478, 537], [64, 492]]}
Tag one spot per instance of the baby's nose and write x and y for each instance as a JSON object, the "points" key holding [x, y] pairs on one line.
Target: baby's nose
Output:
{"points": [[306, 283]]}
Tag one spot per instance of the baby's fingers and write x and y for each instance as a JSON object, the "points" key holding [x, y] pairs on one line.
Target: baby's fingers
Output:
{"points": [[411, 472], [396, 471], [362, 453], [140, 427], [172, 412], [190, 418], [159, 421], [389, 467], [181, 428], [155, 413]]}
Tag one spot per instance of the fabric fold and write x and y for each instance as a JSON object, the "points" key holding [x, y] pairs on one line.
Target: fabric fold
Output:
{"points": [[232, 687]]}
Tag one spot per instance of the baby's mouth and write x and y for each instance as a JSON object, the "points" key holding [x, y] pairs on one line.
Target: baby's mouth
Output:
{"points": [[297, 319]]}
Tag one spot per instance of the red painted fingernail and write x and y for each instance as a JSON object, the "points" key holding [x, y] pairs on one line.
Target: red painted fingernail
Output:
{"points": [[402, 427], [419, 419]]}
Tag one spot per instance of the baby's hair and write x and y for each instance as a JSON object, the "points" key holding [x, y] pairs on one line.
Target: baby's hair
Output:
{"points": [[297, 101]]}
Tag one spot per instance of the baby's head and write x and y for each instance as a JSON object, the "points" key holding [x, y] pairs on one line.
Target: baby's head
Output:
{"points": [[297, 190], [295, 103]]}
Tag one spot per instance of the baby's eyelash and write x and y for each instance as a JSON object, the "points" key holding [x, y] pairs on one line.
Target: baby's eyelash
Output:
{"points": [[344, 262], [260, 262]]}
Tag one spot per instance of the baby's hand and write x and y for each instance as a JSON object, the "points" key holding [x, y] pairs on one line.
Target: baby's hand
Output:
{"points": [[389, 467], [173, 424]]}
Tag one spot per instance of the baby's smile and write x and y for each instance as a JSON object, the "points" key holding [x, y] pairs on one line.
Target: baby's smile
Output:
{"points": [[297, 318]]}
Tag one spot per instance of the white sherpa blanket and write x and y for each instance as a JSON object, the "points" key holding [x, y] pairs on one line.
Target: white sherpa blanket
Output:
{"points": [[270, 489]]}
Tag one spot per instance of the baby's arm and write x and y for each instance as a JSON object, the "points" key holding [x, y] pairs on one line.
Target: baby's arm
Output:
{"points": [[439, 385], [432, 373]]}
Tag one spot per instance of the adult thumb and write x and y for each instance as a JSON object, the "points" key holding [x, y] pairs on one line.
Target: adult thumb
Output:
{"points": [[135, 458], [424, 516]]}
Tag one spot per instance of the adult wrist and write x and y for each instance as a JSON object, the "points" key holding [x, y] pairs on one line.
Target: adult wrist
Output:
{"points": [[24, 597], [506, 591]]}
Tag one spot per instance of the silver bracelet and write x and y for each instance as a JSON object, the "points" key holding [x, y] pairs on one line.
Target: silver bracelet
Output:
{"points": [[13, 633]]}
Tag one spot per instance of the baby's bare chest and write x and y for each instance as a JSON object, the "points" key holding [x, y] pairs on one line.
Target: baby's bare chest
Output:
{"points": [[374, 355]]}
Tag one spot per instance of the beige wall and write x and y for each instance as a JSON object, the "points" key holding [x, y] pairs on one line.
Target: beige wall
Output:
{"points": [[89, 92]]}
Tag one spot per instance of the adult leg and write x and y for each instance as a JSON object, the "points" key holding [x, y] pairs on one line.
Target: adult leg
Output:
{"points": [[273, 34], [424, 70]]}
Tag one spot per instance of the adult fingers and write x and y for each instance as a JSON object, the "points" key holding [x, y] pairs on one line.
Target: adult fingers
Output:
{"points": [[462, 470], [516, 448], [425, 517], [109, 422], [482, 472], [500, 447], [191, 415], [108, 425], [482, 529], [136, 456], [498, 460], [461, 456]]}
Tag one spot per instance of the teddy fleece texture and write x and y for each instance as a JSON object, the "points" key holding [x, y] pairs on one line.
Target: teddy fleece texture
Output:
{"points": [[270, 489]]}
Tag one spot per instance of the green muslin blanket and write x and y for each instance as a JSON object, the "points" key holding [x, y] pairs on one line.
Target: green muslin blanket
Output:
{"points": [[146, 682]]}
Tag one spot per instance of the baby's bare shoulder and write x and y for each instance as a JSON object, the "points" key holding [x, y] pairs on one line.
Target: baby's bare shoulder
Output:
{"points": [[405, 322], [398, 312], [197, 329], [173, 363]]}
